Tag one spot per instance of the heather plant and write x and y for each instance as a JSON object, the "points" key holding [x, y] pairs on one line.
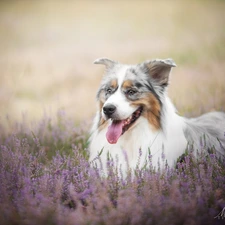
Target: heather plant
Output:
{"points": [[46, 179]]}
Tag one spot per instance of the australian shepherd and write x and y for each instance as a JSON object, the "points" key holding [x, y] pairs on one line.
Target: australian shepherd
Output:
{"points": [[136, 117]]}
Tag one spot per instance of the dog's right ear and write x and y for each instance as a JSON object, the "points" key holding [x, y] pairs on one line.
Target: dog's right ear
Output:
{"points": [[107, 62], [159, 70]]}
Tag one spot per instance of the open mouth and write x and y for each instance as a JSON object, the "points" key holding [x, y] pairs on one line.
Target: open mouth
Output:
{"points": [[119, 127]]}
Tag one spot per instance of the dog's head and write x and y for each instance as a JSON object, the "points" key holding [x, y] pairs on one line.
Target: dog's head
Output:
{"points": [[128, 92]]}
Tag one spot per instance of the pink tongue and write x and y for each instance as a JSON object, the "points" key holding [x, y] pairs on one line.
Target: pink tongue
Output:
{"points": [[114, 132]]}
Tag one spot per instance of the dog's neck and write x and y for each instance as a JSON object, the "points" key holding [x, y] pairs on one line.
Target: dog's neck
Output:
{"points": [[170, 136]]}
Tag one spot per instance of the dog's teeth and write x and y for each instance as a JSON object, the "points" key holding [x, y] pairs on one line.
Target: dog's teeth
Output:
{"points": [[131, 119]]}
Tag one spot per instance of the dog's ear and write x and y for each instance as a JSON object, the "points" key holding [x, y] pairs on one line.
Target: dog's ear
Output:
{"points": [[107, 62], [159, 70]]}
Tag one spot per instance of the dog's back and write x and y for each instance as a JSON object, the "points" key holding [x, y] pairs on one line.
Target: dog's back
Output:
{"points": [[207, 131]]}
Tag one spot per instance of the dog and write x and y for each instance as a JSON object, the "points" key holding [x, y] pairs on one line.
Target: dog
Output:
{"points": [[136, 118]]}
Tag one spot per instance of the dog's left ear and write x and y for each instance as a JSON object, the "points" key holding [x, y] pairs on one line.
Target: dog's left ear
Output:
{"points": [[107, 62], [159, 70]]}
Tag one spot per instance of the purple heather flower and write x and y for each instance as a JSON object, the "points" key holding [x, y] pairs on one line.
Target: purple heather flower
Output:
{"points": [[62, 188]]}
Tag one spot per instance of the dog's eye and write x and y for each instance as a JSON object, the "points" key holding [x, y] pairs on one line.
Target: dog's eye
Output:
{"points": [[108, 91], [131, 92]]}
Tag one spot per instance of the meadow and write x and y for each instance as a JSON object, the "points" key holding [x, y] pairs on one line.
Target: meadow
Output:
{"points": [[47, 100]]}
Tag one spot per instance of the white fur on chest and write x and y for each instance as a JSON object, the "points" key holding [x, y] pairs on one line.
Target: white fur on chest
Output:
{"points": [[171, 142]]}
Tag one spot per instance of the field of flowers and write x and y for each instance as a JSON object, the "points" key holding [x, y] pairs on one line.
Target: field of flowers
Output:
{"points": [[46, 54], [46, 179]]}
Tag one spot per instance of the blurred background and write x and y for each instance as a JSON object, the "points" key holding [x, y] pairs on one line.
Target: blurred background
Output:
{"points": [[47, 49]]}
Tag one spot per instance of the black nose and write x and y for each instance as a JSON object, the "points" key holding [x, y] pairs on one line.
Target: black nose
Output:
{"points": [[109, 110]]}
